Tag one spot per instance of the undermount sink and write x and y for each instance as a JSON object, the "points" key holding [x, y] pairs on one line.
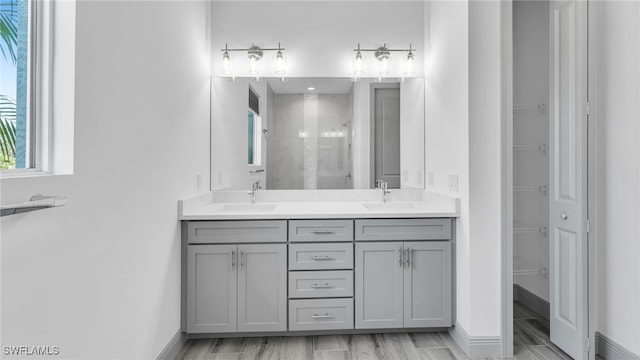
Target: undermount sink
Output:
{"points": [[390, 206], [249, 207]]}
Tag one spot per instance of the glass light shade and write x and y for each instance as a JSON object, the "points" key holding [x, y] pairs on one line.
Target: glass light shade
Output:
{"points": [[409, 68], [383, 67], [254, 67], [281, 64], [227, 64], [358, 65]]}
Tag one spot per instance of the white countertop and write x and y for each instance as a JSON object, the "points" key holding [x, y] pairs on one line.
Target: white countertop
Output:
{"points": [[317, 204]]}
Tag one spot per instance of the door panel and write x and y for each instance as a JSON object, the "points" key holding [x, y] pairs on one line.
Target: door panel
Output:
{"points": [[379, 284], [262, 288], [387, 136], [211, 288], [427, 284], [568, 169]]}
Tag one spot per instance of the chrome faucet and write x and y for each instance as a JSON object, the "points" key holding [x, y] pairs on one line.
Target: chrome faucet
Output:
{"points": [[381, 184], [252, 192]]}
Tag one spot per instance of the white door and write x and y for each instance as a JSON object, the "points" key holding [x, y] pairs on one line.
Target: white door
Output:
{"points": [[568, 177], [211, 288], [387, 136], [262, 287], [427, 284], [379, 274]]}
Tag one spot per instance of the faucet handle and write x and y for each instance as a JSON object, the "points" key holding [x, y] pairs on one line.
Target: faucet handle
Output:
{"points": [[255, 185]]}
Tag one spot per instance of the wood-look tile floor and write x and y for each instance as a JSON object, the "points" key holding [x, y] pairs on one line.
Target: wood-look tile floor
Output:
{"points": [[531, 341], [531, 336]]}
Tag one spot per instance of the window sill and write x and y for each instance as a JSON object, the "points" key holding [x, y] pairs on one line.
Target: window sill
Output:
{"points": [[23, 173]]}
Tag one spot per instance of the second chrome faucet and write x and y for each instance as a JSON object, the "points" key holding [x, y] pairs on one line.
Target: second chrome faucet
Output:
{"points": [[252, 191], [381, 184]]}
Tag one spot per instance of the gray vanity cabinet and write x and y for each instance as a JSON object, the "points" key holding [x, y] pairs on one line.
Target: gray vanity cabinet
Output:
{"points": [[379, 283], [262, 287], [256, 276], [403, 284], [236, 288], [236, 279], [427, 284], [212, 294]]}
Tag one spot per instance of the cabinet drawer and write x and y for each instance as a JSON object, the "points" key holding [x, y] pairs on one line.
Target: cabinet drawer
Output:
{"points": [[321, 256], [402, 229], [255, 231], [324, 314], [320, 284], [320, 230]]}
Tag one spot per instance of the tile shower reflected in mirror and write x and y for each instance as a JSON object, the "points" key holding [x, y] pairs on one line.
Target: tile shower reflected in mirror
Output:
{"points": [[309, 143]]}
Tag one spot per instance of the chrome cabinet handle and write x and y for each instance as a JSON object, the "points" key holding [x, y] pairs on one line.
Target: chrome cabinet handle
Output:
{"points": [[322, 258], [401, 254], [322, 286], [241, 259], [233, 258], [322, 231], [409, 253], [563, 216], [325, 316]]}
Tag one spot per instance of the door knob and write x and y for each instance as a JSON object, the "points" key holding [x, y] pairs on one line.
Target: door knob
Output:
{"points": [[563, 215]]}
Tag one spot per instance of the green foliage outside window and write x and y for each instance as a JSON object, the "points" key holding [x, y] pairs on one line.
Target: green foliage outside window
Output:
{"points": [[8, 49]]}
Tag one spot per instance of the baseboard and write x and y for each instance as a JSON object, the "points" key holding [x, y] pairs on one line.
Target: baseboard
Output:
{"points": [[610, 350], [532, 301], [173, 347], [476, 346]]}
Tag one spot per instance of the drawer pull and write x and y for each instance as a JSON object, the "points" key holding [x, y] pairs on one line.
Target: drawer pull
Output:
{"points": [[325, 316], [322, 258], [322, 286], [323, 231]]}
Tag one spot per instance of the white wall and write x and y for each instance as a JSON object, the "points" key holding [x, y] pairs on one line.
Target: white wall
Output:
{"points": [[229, 129], [362, 134], [463, 138], [485, 167], [617, 209], [412, 133], [100, 277], [319, 36], [447, 125]]}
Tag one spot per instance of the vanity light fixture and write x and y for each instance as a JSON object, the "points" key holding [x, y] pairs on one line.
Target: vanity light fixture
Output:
{"points": [[383, 56], [254, 55]]}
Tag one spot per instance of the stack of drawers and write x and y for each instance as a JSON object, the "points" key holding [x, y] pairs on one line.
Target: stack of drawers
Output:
{"points": [[320, 274]]}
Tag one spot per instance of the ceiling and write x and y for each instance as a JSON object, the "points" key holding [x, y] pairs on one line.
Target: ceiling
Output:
{"points": [[301, 85]]}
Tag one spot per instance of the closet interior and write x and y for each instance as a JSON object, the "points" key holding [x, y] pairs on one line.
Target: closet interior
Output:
{"points": [[530, 154]]}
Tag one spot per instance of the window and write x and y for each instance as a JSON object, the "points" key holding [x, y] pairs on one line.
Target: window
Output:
{"points": [[254, 130], [17, 49], [36, 129]]}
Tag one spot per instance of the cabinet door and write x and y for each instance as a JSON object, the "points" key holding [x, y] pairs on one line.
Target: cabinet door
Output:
{"points": [[379, 273], [262, 288], [211, 288], [427, 284]]}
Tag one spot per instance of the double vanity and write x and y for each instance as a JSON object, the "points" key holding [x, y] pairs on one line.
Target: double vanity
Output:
{"points": [[316, 262]]}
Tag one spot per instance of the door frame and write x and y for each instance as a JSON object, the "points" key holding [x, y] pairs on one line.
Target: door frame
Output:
{"points": [[506, 8]]}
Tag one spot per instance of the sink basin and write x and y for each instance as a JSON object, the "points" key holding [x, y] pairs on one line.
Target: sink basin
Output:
{"points": [[249, 207], [390, 206]]}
